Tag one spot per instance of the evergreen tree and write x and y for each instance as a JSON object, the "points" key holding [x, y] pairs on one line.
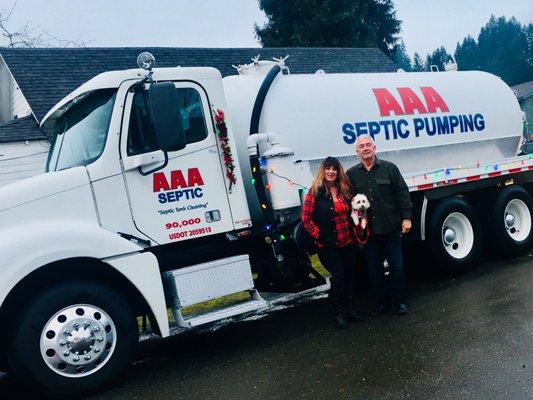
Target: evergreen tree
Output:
{"points": [[467, 54], [529, 39], [505, 50], [418, 64], [439, 57], [504, 47], [400, 57], [329, 23]]}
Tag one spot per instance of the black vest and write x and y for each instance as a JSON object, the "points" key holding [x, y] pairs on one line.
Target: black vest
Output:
{"points": [[323, 217]]}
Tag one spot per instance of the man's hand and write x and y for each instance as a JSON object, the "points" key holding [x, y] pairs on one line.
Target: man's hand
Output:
{"points": [[406, 226]]}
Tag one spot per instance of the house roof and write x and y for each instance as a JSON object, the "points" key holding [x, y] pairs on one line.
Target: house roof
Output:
{"points": [[46, 75], [21, 129], [524, 90]]}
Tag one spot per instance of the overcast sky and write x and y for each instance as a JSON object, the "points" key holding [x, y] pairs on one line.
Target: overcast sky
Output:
{"points": [[229, 23]]}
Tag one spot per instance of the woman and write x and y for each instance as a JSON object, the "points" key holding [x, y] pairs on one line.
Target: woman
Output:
{"points": [[326, 216]]}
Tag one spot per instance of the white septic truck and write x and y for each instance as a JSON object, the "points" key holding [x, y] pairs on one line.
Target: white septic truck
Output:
{"points": [[168, 187]]}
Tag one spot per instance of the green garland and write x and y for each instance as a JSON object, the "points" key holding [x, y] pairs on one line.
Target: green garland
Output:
{"points": [[222, 134]]}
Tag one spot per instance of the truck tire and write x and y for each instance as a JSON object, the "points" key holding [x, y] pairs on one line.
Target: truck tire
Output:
{"points": [[511, 221], [73, 338], [455, 235]]}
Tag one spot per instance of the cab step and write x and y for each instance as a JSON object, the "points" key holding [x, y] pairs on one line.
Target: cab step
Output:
{"points": [[219, 314], [211, 280]]}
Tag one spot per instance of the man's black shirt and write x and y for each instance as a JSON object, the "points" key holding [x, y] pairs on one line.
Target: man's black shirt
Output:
{"points": [[387, 193]]}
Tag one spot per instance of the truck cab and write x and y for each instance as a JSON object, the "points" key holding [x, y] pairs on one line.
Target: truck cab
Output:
{"points": [[142, 209], [139, 189]]}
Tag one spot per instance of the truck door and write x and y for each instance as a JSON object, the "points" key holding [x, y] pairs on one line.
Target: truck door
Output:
{"points": [[187, 198]]}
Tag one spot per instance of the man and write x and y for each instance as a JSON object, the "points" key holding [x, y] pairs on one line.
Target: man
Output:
{"points": [[389, 216]]}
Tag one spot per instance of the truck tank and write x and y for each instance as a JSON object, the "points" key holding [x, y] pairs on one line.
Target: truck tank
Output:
{"points": [[420, 121]]}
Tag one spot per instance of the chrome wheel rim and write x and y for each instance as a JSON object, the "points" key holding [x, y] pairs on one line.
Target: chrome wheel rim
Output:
{"points": [[78, 340]]}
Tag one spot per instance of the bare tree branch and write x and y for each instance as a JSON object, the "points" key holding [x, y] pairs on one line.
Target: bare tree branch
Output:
{"points": [[58, 42], [30, 35]]}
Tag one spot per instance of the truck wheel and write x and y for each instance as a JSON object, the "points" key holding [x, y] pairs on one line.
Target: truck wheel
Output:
{"points": [[511, 221], [455, 235], [73, 338]]}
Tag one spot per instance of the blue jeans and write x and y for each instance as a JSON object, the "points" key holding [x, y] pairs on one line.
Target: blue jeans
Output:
{"points": [[389, 246]]}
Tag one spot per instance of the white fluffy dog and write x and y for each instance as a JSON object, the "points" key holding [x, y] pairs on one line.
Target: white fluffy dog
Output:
{"points": [[359, 206]]}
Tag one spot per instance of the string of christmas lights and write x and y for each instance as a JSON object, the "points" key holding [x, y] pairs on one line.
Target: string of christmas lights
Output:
{"points": [[263, 163], [446, 173], [291, 182]]}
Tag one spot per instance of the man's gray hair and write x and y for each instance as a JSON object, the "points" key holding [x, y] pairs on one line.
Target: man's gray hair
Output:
{"points": [[364, 136]]}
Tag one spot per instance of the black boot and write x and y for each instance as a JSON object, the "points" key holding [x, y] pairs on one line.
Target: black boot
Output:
{"points": [[351, 310], [337, 304], [340, 321], [400, 309], [381, 309], [353, 315]]}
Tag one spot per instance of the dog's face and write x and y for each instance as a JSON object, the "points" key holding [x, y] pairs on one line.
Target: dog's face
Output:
{"points": [[360, 202]]}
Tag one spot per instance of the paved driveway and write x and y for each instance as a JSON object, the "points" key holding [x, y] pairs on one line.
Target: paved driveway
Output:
{"points": [[465, 338]]}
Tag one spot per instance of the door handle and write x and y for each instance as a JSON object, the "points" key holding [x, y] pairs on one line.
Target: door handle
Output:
{"points": [[143, 160]]}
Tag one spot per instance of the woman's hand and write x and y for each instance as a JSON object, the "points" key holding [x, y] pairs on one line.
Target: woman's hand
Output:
{"points": [[406, 226]]}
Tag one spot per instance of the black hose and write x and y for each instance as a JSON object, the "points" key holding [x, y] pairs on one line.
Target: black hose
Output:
{"points": [[265, 205], [260, 99]]}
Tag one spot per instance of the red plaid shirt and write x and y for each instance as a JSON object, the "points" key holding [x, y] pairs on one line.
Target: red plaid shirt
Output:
{"points": [[341, 220]]}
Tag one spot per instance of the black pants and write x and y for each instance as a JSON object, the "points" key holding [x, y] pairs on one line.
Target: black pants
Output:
{"points": [[379, 247], [340, 262]]}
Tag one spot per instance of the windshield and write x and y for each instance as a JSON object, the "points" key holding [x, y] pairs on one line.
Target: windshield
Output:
{"points": [[78, 130]]}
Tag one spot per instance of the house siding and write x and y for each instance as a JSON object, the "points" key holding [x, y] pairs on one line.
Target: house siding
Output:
{"points": [[6, 82], [19, 160], [20, 106]]}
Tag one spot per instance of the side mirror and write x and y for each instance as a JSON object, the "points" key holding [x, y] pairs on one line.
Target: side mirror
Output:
{"points": [[164, 109]]}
